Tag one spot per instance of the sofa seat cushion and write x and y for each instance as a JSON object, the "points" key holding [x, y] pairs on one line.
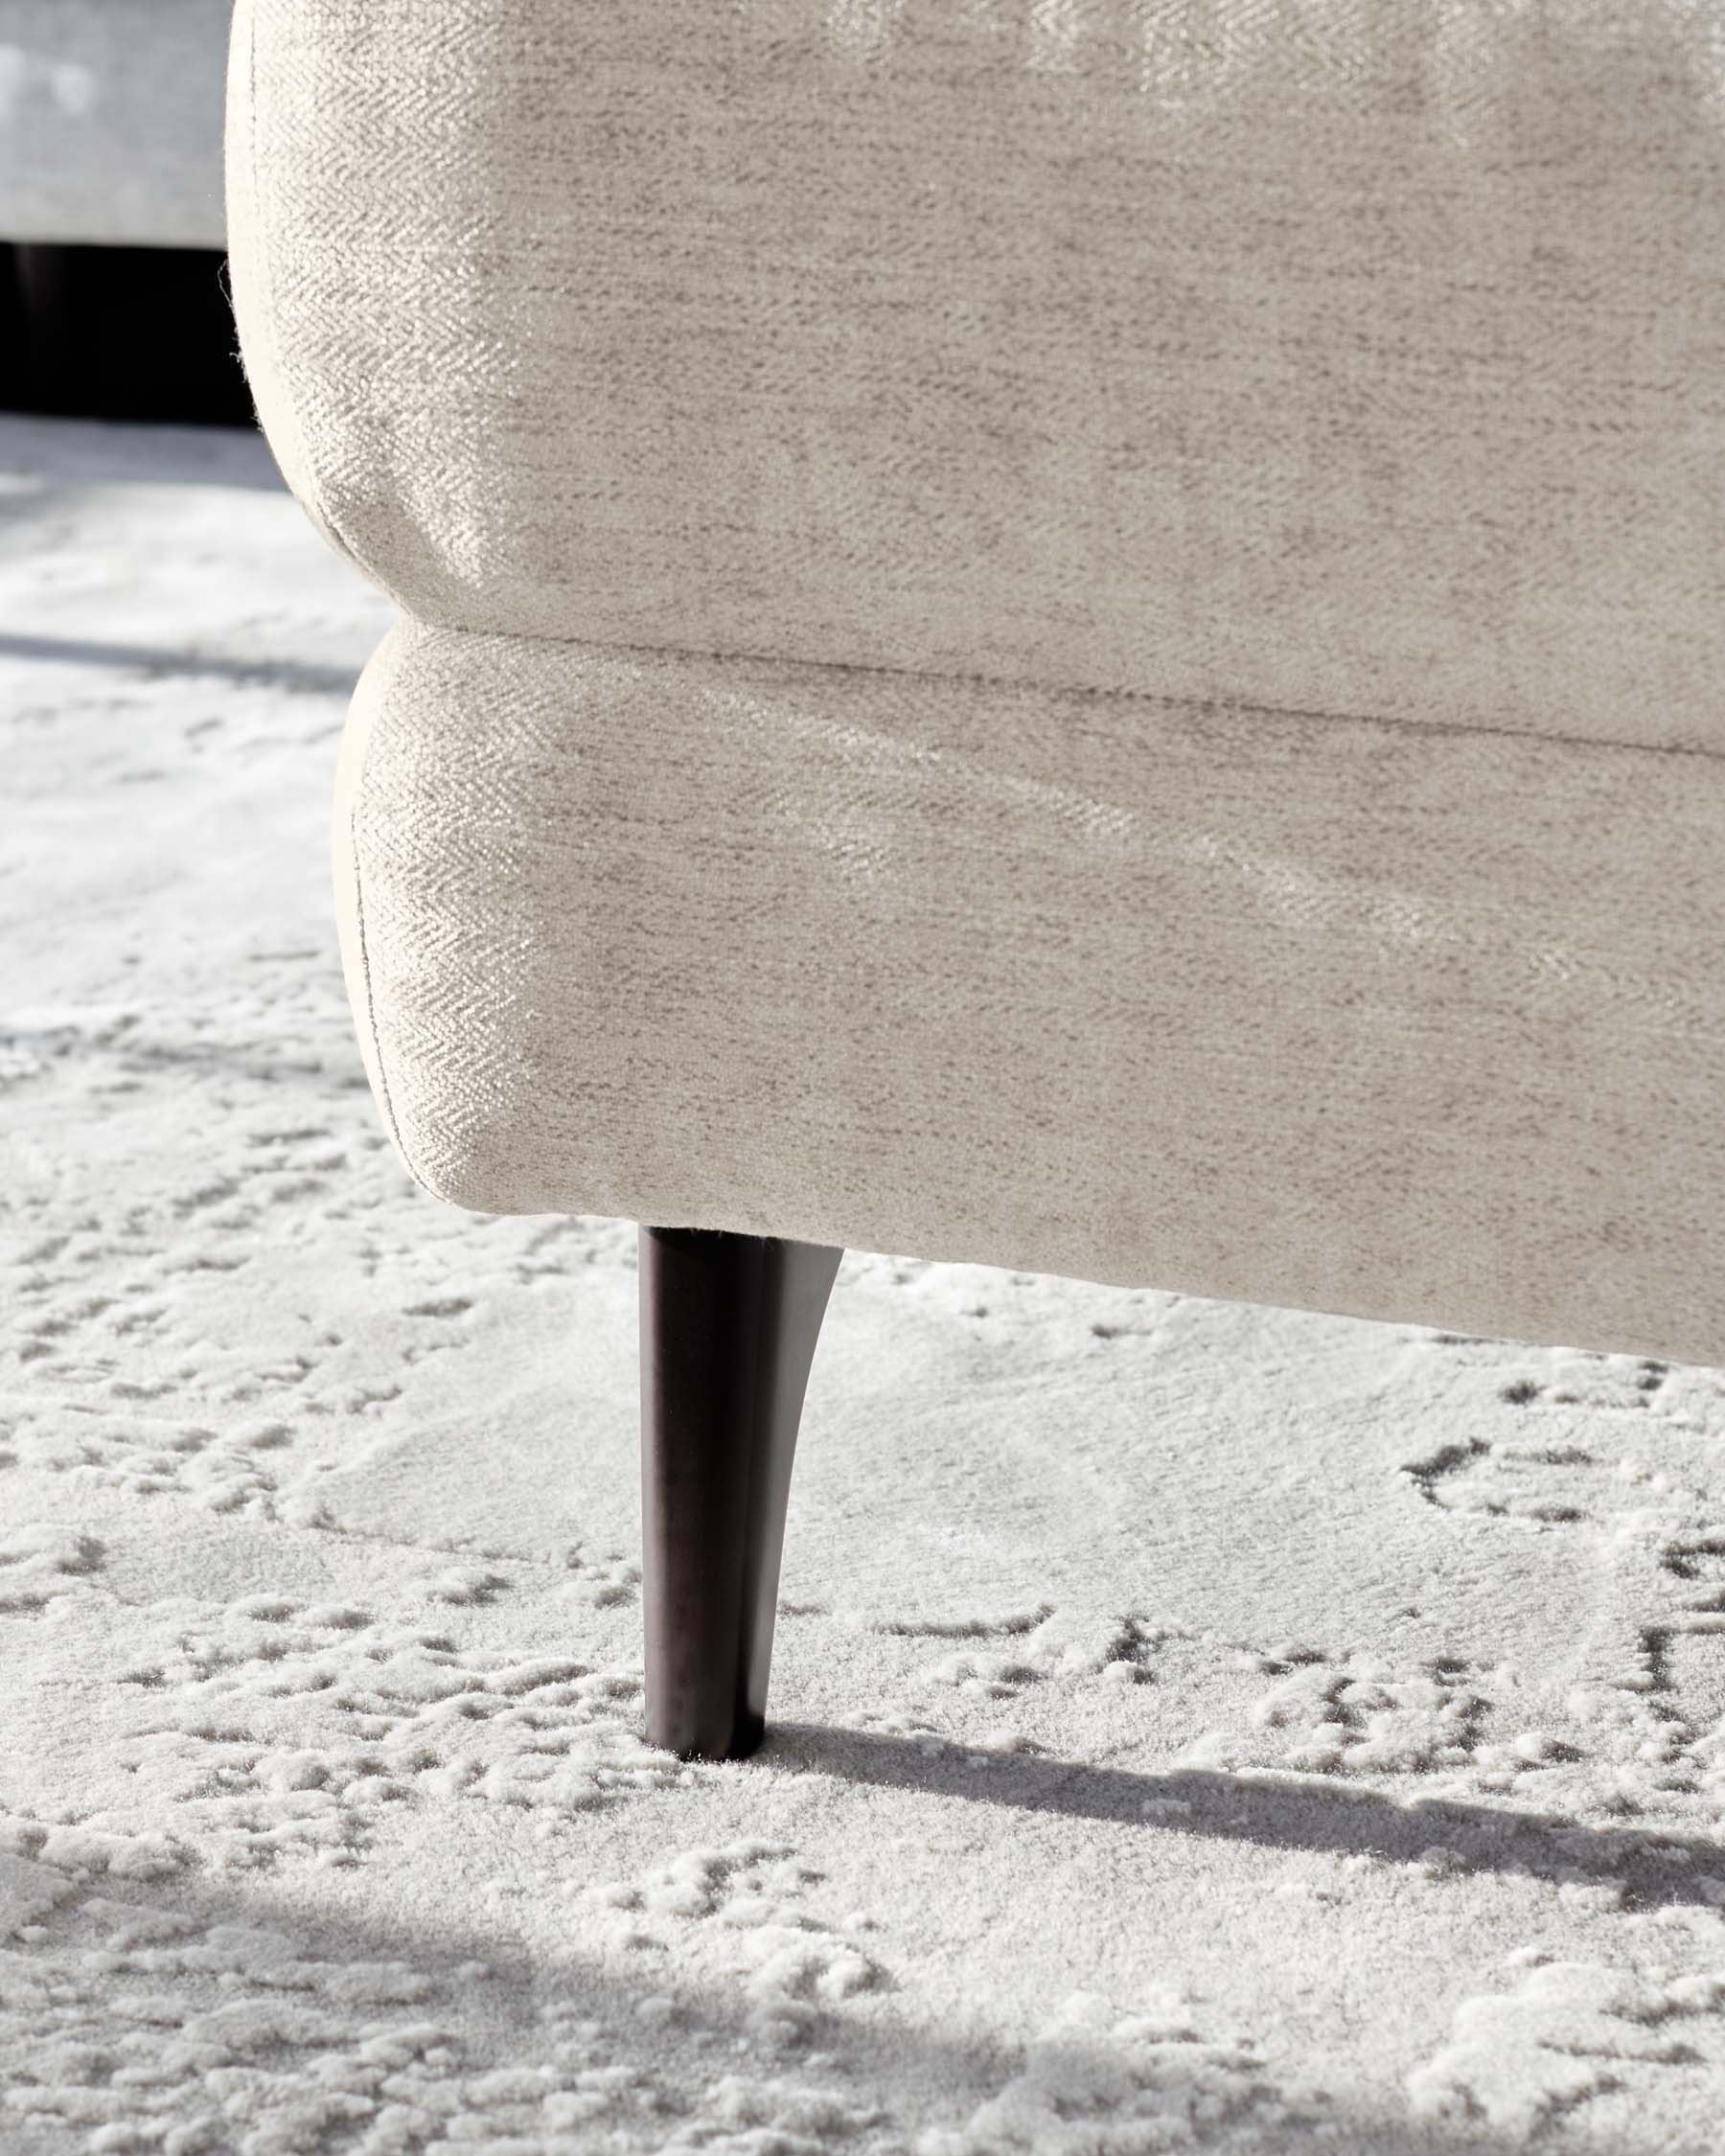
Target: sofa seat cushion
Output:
{"points": [[1359, 358]]}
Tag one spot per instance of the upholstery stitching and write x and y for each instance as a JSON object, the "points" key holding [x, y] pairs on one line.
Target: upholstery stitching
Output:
{"points": [[365, 981], [1208, 707]]}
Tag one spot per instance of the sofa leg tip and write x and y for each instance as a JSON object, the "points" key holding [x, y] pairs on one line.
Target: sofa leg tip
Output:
{"points": [[747, 1737], [740, 1741]]}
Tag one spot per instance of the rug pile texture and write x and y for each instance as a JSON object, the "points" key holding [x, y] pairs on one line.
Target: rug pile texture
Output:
{"points": [[1196, 1726]]}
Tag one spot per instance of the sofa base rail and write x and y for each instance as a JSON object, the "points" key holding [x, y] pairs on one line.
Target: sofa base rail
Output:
{"points": [[1412, 1024]]}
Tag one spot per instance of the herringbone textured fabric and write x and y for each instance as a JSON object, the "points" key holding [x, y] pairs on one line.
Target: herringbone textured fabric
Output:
{"points": [[1410, 1022], [1361, 357], [1083, 634]]}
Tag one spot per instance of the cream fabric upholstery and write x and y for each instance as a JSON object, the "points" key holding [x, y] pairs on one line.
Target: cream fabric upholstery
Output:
{"points": [[1079, 635], [110, 120]]}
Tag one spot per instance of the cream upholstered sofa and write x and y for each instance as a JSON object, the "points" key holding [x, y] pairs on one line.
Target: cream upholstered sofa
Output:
{"points": [[1077, 634]]}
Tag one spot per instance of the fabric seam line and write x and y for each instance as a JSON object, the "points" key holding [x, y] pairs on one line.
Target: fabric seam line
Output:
{"points": [[1210, 707], [371, 1001]]}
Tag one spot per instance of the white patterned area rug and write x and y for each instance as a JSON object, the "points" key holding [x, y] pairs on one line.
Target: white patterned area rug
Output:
{"points": [[1195, 1727]]}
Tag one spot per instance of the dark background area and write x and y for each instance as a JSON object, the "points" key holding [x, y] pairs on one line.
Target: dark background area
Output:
{"points": [[120, 334]]}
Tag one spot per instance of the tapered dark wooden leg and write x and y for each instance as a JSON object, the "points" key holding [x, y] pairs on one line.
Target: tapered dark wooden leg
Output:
{"points": [[728, 1327]]}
